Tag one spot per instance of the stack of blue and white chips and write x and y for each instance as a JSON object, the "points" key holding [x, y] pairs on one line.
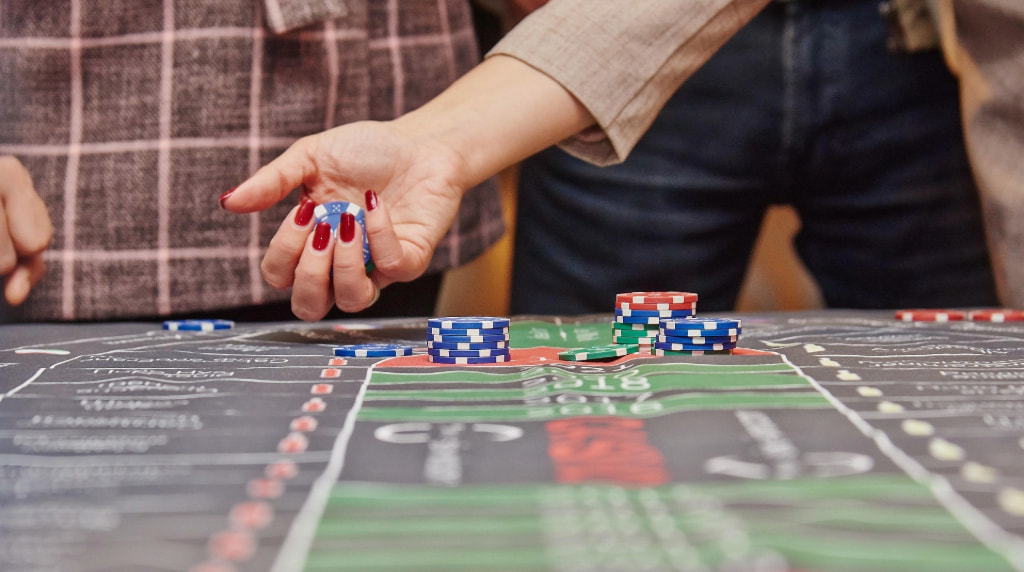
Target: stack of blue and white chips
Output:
{"points": [[697, 336], [468, 340]]}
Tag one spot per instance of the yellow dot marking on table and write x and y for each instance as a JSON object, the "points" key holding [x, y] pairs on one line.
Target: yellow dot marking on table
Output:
{"points": [[828, 362], [978, 473], [890, 407], [917, 428], [813, 348], [943, 450], [865, 391], [846, 375], [1011, 500]]}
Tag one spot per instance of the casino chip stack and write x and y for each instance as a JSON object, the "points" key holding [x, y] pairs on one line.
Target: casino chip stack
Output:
{"points": [[468, 340], [638, 314], [697, 336]]}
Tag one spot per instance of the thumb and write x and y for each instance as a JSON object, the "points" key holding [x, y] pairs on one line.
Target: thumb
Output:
{"points": [[273, 181]]}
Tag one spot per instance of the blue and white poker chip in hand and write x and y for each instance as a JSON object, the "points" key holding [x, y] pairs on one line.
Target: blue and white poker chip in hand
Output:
{"points": [[331, 212], [373, 350]]}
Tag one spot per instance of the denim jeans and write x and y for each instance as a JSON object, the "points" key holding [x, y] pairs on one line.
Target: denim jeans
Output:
{"points": [[805, 106]]}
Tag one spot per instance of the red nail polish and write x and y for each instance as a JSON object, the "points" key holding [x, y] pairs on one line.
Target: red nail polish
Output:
{"points": [[321, 236], [223, 198], [371, 200], [305, 212], [347, 228]]}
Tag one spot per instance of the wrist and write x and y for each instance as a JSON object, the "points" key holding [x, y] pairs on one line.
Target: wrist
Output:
{"points": [[435, 146], [498, 114]]}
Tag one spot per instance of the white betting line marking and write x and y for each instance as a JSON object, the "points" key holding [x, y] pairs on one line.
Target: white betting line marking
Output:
{"points": [[984, 529], [170, 460], [44, 351], [24, 384], [299, 539]]}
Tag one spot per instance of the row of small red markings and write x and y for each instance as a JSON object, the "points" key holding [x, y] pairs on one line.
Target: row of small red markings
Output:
{"points": [[238, 542]]}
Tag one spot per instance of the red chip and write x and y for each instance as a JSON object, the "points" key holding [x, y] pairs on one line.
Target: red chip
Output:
{"points": [[656, 306], [1004, 315], [656, 297], [930, 315]]}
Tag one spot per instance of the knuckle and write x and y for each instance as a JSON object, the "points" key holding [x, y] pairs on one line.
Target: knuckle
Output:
{"points": [[274, 277], [307, 276], [306, 314], [388, 264], [350, 308]]}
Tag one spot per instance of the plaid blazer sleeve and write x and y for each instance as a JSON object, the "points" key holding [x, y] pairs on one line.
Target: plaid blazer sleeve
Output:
{"points": [[133, 117], [623, 59]]}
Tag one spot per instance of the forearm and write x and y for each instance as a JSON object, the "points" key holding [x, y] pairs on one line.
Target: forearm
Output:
{"points": [[496, 115]]}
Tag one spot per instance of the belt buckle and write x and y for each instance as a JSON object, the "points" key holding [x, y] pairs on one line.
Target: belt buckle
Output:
{"points": [[911, 26]]}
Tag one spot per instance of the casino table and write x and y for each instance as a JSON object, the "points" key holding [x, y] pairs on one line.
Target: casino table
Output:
{"points": [[833, 441]]}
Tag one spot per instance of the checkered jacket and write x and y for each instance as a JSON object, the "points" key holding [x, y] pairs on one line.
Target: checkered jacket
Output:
{"points": [[134, 116]]}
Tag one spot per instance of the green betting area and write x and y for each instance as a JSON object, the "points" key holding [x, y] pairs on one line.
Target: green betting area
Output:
{"points": [[870, 521]]}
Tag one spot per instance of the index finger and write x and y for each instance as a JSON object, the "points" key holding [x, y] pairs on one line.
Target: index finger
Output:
{"points": [[273, 181]]}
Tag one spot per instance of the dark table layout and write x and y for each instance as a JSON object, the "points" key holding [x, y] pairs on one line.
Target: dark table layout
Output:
{"points": [[835, 441]]}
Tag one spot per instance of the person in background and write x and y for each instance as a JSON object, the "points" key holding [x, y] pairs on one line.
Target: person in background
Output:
{"points": [[593, 76], [825, 106], [128, 119]]}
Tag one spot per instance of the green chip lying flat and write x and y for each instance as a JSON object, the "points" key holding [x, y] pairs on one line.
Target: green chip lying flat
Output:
{"points": [[599, 352]]}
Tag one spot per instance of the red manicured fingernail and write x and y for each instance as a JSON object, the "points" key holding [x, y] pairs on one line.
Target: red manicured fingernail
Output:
{"points": [[223, 198], [371, 200], [347, 228], [322, 236], [305, 212]]}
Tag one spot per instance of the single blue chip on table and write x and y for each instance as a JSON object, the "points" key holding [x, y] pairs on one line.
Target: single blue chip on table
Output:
{"points": [[469, 323], [704, 324], [198, 325], [373, 350], [331, 213]]}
